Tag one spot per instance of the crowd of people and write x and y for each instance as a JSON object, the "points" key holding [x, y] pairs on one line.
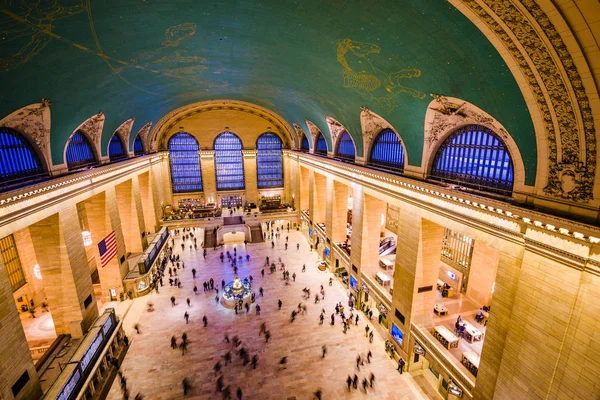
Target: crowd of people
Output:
{"points": [[241, 354]]}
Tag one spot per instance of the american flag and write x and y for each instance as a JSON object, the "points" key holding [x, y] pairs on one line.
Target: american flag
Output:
{"points": [[108, 248]]}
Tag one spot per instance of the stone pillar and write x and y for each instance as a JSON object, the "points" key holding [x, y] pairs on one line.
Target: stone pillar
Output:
{"points": [[304, 191], [250, 176], [157, 187], [366, 223], [417, 266], [288, 179], [337, 210], [15, 359], [131, 215], [60, 252], [482, 273], [163, 170], [499, 323], [318, 198], [151, 220], [103, 217], [209, 179], [35, 286]]}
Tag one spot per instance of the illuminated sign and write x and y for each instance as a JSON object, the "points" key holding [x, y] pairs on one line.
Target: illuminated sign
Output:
{"points": [[87, 238], [451, 275], [37, 272], [397, 334], [353, 282]]}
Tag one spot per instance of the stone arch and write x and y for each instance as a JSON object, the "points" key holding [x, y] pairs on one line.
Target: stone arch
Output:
{"points": [[336, 130], [447, 114], [143, 134], [372, 124], [314, 134], [124, 132], [172, 119], [92, 130], [33, 123]]}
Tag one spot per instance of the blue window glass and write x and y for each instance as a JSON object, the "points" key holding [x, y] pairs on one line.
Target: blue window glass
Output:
{"points": [[116, 150], [345, 149], [476, 157], [186, 173], [321, 147], [229, 162], [269, 163], [305, 147], [138, 146], [18, 162], [387, 152], [79, 152]]}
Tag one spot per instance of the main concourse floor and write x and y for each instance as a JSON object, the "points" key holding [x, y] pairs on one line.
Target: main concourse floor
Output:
{"points": [[155, 370]]}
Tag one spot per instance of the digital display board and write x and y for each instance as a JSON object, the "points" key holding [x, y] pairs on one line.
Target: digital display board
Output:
{"points": [[327, 252], [71, 384], [397, 334], [91, 351], [353, 282]]}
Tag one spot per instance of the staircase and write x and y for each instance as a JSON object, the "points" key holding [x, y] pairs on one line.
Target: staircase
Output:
{"points": [[256, 234], [210, 238], [387, 246]]}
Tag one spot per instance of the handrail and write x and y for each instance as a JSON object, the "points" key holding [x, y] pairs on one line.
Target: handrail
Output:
{"points": [[99, 360], [384, 298], [463, 379]]}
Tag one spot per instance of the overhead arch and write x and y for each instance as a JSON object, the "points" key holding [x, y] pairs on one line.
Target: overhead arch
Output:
{"points": [[91, 129], [79, 152], [476, 157], [388, 152], [116, 148]]}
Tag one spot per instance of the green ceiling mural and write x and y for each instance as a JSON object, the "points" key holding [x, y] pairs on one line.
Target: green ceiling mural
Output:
{"points": [[302, 59]]}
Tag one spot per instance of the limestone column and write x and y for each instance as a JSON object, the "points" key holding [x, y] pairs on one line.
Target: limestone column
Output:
{"points": [[311, 195], [304, 184], [103, 217], [166, 189], [157, 187], [15, 359], [131, 215], [417, 265], [250, 176], [366, 232], [288, 185], [319, 198], [209, 179], [151, 220], [499, 323], [60, 252], [35, 286], [337, 210]]}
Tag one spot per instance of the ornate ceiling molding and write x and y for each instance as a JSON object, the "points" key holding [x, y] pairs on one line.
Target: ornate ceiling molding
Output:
{"points": [[33, 122], [546, 63], [299, 135], [143, 134], [166, 123], [314, 132], [446, 114], [124, 131], [92, 127], [372, 123], [336, 129]]}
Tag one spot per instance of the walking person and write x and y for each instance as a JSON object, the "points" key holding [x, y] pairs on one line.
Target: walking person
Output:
{"points": [[279, 304], [186, 386], [172, 301], [187, 317], [401, 364], [205, 321], [188, 302], [324, 351]]}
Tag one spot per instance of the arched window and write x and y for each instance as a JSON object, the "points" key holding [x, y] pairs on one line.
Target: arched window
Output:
{"points": [[387, 152], [186, 174], [305, 147], [321, 147], [269, 164], [138, 146], [477, 157], [79, 152], [345, 148], [229, 162], [19, 163], [116, 150]]}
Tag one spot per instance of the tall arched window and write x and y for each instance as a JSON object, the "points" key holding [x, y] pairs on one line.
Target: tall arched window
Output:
{"points": [[229, 162], [186, 173], [305, 146], [321, 147], [116, 149], [269, 164], [387, 152], [18, 162], [345, 148], [477, 157], [138, 146], [79, 152]]}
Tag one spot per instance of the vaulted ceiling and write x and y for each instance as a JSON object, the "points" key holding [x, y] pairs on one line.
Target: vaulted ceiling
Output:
{"points": [[302, 59]]}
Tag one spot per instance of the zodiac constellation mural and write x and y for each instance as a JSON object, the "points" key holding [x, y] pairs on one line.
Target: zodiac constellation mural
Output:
{"points": [[371, 82], [24, 26]]}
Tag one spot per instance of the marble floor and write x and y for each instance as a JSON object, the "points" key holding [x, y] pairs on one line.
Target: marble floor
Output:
{"points": [[156, 371]]}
